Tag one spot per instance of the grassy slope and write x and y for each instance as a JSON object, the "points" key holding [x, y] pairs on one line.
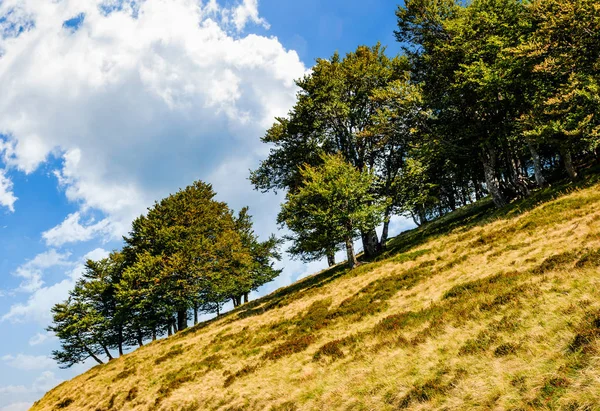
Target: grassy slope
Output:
{"points": [[481, 309]]}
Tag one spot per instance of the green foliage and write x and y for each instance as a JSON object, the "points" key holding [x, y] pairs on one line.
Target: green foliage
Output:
{"points": [[334, 203]]}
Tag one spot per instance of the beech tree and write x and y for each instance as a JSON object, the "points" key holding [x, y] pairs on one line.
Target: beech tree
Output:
{"points": [[337, 199]]}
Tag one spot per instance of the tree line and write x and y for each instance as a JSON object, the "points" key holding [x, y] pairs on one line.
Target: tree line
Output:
{"points": [[188, 255], [489, 97]]}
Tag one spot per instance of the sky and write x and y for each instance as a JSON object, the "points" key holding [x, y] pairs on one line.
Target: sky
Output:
{"points": [[109, 105]]}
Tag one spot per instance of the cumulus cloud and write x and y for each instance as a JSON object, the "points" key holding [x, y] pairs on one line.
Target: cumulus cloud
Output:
{"points": [[44, 382], [38, 305], [7, 197], [41, 338], [28, 362], [72, 230], [137, 99], [32, 270]]}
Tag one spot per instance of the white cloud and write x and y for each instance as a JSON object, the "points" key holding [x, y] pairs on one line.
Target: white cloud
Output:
{"points": [[71, 230], [38, 305], [7, 197], [245, 12], [32, 271], [41, 338], [29, 362], [137, 102], [17, 406]]}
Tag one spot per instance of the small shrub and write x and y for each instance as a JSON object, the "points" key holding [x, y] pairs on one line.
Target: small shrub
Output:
{"points": [[65, 403], [291, 346], [331, 349]]}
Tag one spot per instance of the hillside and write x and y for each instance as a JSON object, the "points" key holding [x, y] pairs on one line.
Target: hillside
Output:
{"points": [[480, 309]]}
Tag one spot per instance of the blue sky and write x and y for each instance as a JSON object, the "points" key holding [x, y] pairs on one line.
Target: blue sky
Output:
{"points": [[108, 106]]}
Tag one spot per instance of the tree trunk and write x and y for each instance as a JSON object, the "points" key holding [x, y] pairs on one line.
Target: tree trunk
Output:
{"points": [[565, 153], [386, 229], [370, 243], [218, 309], [120, 341], [245, 298], [110, 357], [174, 320], [91, 354], [491, 180], [330, 259], [169, 330], [195, 314], [139, 339], [352, 262], [537, 164], [154, 334], [384, 234], [181, 320]]}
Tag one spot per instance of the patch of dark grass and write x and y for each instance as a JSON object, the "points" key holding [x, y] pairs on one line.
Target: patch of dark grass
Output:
{"points": [[171, 382], [292, 346], [373, 298], [131, 394], [454, 262], [484, 285], [505, 349], [409, 256], [437, 386], [400, 321], [64, 403], [555, 262], [551, 391], [589, 259], [586, 334], [331, 349], [125, 373], [510, 322], [481, 343], [175, 351], [212, 362], [246, 370], [285, 406]]}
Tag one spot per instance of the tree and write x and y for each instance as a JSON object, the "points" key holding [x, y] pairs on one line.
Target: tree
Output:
{"points": [[337, 199], [99, 290], [81, 330], [562, 58], [333, 114], [189, 244], [460, 54]]}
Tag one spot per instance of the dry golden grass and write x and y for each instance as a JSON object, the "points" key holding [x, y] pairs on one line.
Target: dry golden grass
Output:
{"points": [[497, 315]]}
